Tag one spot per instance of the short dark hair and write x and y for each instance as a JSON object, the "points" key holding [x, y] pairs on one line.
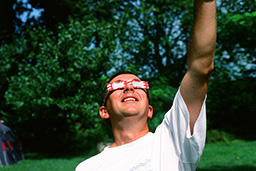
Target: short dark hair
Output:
{"points": [[105, 93]]}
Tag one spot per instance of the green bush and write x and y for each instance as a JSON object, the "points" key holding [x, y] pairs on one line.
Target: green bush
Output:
{"points": [[54, 84]]}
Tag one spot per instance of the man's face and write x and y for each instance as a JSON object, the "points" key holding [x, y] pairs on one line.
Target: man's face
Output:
{"points": [[128, 101]]}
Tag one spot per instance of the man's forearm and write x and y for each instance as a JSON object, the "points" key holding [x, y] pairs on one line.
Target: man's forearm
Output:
{"points": [[203, 36]]}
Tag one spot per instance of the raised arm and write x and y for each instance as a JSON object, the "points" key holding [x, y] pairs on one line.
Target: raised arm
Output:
{"points": [[200, 57]]}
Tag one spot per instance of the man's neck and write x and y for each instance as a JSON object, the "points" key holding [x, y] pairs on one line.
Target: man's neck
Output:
{"points": [[124, 136]]}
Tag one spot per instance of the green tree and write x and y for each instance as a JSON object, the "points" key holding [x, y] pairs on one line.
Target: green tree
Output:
{"points": [[231, 91], [53, 95], [153, 37]]}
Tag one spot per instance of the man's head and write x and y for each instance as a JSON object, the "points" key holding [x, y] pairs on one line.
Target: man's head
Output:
{"points": [[126, 100], [106, 93]]}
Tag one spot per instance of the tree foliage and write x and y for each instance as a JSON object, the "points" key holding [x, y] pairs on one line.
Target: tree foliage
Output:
{"points": [[231, 90], [54, 87], [153, 37]]}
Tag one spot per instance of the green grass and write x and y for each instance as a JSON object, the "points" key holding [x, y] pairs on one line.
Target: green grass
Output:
{"points": [[43, 162], [238, 156]]}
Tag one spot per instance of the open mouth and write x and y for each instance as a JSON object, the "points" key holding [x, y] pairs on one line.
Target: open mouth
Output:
{"points": [[129, 99]]}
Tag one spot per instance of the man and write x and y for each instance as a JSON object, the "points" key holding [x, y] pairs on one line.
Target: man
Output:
{"points": [[178, 141]]}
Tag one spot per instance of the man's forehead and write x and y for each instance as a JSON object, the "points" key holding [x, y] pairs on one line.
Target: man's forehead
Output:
{"points": [[125, 77]]}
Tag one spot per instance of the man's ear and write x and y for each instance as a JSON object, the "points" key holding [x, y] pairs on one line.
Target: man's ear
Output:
{"points": [[150, 111], [103, 112]]}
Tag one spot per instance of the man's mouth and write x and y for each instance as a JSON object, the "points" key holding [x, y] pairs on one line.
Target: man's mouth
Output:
{"points": [[129, 99]]}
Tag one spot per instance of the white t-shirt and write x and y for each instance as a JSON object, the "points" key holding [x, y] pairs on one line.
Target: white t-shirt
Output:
{"points": [[170, 148]]}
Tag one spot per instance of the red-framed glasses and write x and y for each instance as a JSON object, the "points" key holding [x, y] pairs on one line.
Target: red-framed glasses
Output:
{"points": [[123, 84]]}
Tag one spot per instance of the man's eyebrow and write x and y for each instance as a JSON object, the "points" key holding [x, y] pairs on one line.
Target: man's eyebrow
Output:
{"points": [[135, 79], [118, 81]]}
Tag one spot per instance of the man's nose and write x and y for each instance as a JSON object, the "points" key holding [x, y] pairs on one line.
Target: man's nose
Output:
{"points": [[128, 88]]}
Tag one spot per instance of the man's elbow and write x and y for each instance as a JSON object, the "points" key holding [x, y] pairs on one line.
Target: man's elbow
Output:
{"points": [[207, 70], [202, 67]]}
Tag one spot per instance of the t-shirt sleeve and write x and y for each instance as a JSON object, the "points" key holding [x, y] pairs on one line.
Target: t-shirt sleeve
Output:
{"points": [[188, 148]]}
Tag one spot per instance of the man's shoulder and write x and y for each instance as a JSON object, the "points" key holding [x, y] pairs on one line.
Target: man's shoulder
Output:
{"points": [[89, 163]]}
